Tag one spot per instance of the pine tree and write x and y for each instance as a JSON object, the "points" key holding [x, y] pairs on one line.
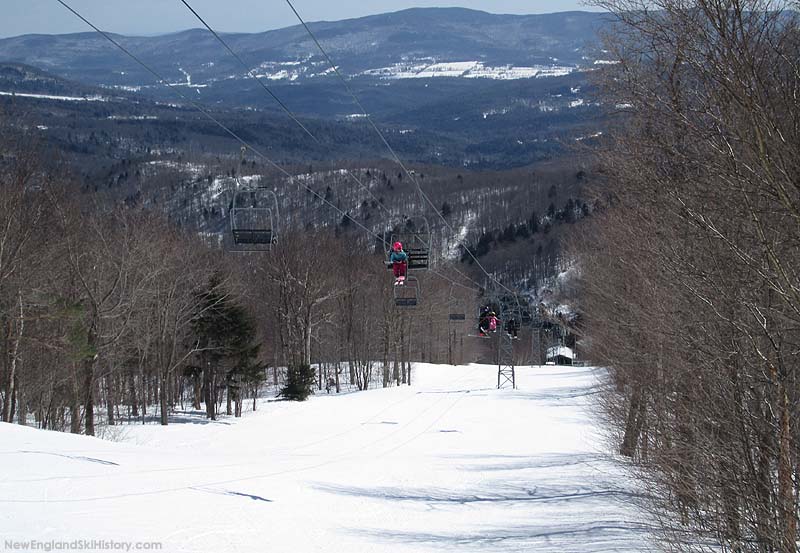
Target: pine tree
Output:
{"points": [[226, 335], [299, 383], [533, 223]]}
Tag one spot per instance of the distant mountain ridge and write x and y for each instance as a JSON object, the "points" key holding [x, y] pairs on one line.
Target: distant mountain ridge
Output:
{"points": [[450, 85], [358, 46]]}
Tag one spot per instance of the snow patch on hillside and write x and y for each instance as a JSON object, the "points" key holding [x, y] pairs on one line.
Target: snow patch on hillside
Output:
{"points": [[92, 98], [465, 69], [188, 82], [454, 248], [589, 136], [126, 88], [292, 70], [132, 117]]}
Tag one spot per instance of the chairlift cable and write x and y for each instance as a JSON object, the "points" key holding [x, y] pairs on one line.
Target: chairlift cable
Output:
{"points": [[283, 106], [350, 91], [454, 268], [297, 121], [202, 109], [210, 116], [386, 143], [453, 282], [250, 72]]}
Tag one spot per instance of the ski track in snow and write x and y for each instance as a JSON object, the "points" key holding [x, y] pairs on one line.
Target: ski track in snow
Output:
{"points": [[448, 463]]}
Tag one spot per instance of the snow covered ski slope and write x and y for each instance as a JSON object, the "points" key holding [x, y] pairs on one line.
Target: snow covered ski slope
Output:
{"points": [[448, 464]]}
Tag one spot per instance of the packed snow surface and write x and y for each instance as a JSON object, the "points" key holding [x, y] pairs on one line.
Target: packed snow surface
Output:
{"points": [[448, 464]]}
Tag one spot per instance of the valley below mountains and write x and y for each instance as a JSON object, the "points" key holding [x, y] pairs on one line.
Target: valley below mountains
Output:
{"points": [[492, 111]]}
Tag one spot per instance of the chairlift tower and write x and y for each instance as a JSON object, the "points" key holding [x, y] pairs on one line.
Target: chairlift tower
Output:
{"points": [[505, 348], [508, 307]]}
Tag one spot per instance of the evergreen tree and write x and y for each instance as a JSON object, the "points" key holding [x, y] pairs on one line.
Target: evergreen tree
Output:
{"points": [[509, 233], [569, 211], [533, 223], [226, 336], [299, 383]]}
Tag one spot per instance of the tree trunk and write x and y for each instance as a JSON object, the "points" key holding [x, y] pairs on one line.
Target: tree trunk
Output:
{"points": [[788, 508], [197, 388], [307, 342], [110, 402], [164, 400], [13, 401], [4, 368], [134, 402], [405, 341], [144, 397], [386, 375], [208, 393], [75, 406], [8, 406], [22, 407], [633, 424], [88, 390], [451, 339], [89, 380]]}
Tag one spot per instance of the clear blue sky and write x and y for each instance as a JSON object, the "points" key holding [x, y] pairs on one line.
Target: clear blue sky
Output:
{"points": [[143, 17]]}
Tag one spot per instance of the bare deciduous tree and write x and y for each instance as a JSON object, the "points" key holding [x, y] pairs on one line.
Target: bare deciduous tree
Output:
{"points": [[691, 272]]}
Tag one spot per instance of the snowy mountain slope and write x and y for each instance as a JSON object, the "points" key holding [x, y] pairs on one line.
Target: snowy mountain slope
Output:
{"points": [[359, 45], [395, 62], [450, 462]]}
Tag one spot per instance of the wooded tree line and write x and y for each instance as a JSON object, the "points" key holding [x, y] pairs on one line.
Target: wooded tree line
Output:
{"points": [[691, 272], [109, 312], [513, 220]]}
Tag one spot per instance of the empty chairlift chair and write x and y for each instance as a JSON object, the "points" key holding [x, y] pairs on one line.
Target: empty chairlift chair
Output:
{"points": [[456, 312], [254, 214], [408, 294]]}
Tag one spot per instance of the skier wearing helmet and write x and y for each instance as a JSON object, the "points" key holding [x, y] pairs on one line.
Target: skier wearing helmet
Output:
{"points": [[399, 261]]}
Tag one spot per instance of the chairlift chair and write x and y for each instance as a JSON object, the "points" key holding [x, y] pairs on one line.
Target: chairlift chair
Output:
{"points": [[416, 242], [407, 294], [526, 316], [455, 308], [254, 212]]}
